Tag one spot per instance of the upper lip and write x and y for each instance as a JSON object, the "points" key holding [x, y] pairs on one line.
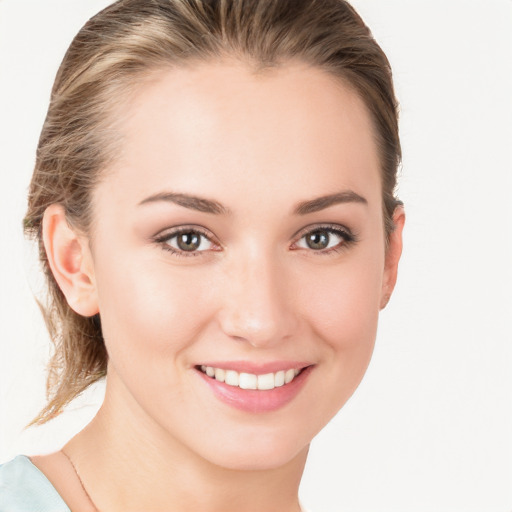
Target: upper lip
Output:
{"points": [[256, 368]]}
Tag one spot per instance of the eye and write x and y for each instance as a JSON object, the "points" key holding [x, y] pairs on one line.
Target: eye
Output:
{"points": [[186, 242], [326, 239]]}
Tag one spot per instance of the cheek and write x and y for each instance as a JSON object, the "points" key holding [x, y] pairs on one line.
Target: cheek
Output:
{"points": [[149, 309], [345, 308]]}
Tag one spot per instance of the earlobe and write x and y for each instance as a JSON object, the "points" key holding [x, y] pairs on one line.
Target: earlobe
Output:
{"points": [[70, 261], [393, 253]]}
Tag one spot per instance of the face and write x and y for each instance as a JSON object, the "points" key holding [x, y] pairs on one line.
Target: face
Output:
{"points": [[240, 234]]}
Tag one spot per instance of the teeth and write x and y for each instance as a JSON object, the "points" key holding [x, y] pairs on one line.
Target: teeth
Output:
{"points": [[279, 379], [220, 374], [232, 378], [249, 380], [289, 376], [266, 381]]}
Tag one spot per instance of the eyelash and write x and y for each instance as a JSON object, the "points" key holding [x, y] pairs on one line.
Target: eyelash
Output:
{"points": [[348, 237], [167, 236], [344, 233]]}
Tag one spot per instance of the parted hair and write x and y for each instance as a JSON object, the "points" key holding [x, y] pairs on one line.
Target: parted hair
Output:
{"points": [[112, 55]]}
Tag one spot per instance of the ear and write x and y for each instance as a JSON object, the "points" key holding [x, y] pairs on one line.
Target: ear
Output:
{"points": [[70, 261], [393, 253]]}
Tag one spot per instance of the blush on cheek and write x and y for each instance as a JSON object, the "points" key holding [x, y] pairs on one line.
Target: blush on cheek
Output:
{"points": [[150, 309], [345, 310]]}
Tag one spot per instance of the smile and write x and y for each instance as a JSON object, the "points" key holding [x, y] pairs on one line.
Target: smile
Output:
{"points": [[269, 388], [244, 380]]}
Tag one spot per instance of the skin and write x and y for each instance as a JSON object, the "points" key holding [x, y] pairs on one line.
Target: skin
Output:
{"points": [[258, 144]]}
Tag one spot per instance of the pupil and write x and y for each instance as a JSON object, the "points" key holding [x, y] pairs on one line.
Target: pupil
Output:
{"points": [[318, 240], [188, 241]]}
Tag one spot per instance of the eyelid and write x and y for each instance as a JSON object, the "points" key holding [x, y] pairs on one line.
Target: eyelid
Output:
{"points": [[339, 228], [349, 237], [185, 228], [163, 236]]}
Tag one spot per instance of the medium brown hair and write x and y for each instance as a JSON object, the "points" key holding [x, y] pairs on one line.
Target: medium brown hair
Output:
{"points": [[119, 48]]}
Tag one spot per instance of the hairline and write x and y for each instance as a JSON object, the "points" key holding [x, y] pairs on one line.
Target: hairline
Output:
{"points": [[134, 84]]}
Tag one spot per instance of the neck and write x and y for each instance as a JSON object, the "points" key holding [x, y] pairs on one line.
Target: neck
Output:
{"points": [[128, 463]]}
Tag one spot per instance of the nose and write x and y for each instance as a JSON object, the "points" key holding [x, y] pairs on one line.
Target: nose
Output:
{"points": [[258, 303]]}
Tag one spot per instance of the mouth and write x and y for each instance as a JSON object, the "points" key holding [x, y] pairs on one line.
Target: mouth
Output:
{"points": [[257, 389], [243, 380]]}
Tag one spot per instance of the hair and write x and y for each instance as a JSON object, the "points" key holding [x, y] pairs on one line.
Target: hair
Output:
{"points": [[112, 55]]}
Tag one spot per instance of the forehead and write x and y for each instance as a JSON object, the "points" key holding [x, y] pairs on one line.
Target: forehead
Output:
{"points": [[221, 129]]}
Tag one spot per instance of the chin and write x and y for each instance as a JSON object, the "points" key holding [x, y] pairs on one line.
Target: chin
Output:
{"points": [[251, 461], [263, 451]]}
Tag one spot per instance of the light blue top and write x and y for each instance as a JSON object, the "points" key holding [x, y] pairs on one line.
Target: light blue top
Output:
{"points": [[23, 488]]}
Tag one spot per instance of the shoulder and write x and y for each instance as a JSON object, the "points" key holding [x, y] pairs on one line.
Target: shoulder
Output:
{"points": [[24, 488]]}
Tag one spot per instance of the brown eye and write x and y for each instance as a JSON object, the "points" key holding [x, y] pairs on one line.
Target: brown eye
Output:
{"points": [[325, 239], [318, 239], [188, 241]]}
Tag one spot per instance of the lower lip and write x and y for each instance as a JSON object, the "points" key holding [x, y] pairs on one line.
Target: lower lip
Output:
{"points": [[253, 400]]}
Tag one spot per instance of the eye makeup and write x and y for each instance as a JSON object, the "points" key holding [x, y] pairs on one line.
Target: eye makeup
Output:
{"points": [[187, 241], [193, 240], [318, 239]]}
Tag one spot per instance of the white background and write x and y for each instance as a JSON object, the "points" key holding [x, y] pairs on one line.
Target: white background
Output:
{"points": [[430, 427]]}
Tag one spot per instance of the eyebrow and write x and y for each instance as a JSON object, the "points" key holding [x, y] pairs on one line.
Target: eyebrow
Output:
{"points": [[204, 205], [188, 201], [320, 203]]}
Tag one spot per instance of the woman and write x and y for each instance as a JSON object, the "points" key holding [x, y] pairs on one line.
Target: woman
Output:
{"points": [[214, 203]]}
